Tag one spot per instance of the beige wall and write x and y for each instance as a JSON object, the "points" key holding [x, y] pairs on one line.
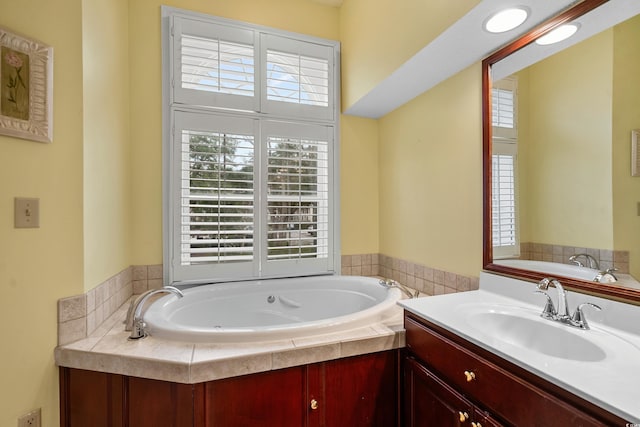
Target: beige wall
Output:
{"points": [[431, 177], [626, 116], [565, 117], [359, 186], [39, 266], [107, 174]]}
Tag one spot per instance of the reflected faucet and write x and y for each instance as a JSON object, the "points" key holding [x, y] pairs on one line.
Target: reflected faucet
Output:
{"points": [[388, 283], [593, 263], [134, 321], [602, 276], [561, 315]]}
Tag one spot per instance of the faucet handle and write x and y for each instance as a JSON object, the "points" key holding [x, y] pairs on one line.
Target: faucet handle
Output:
{"points": [[549, 311], [578, 318]]}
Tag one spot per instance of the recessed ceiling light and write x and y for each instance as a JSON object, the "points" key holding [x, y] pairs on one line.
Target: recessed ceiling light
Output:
{"points": [[557, 35], [506, 20]]}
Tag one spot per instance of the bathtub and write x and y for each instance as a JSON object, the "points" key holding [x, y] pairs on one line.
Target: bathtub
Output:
{"points": [[271, 309], [551, 268]]}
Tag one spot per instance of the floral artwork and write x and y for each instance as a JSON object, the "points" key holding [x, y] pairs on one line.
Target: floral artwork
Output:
{"points": [[26, 87], [15, 84]]}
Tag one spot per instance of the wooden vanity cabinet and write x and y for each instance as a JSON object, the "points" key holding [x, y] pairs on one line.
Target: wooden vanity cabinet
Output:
{"points": [[355, 391], [457, 377]]}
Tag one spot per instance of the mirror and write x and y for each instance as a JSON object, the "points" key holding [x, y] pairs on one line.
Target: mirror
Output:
{"points": [[566, 200]]}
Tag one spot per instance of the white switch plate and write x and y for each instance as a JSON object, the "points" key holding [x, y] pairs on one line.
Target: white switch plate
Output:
{"points": [[26, 212]]}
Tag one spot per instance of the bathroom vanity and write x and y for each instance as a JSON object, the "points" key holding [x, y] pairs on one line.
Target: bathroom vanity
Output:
{"points": [[450, 381], [487, 358]]}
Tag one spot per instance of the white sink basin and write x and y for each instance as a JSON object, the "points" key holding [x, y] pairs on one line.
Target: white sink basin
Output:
{"points": [[540, 335]]}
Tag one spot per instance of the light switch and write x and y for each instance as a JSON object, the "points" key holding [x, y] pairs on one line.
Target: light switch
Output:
{"points": [[26, 212]]}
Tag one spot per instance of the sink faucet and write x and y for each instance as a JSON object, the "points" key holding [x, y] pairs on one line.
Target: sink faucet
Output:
{"points": [[593, 263], [561, 315], [563, 310], [134, 321], [388, 283]]}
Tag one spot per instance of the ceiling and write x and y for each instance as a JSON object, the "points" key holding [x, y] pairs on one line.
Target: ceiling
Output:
{"points": [[461, 45]]}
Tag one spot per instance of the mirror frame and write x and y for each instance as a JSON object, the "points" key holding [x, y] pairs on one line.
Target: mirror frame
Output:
{"points": [[568, 15]]}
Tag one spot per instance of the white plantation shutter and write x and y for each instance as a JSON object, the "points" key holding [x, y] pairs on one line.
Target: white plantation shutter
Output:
{"points": [[504, 109], [299, 78], [504, 154], [298, 196], [250, 123], [214, 65], [503, 205], [215, 185]]}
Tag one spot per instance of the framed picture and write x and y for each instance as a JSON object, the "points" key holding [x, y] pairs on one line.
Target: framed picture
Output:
{"points": [[26, 87]]}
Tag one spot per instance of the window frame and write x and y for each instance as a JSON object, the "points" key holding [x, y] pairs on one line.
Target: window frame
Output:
{"points": [[258, 110]]}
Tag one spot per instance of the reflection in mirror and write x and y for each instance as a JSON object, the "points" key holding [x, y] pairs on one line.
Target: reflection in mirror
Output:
{"points": [[563, 201]]}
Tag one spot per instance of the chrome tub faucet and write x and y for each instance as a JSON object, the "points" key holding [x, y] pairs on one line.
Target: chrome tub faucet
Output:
{"points": [[134, 321], [389, 283]]}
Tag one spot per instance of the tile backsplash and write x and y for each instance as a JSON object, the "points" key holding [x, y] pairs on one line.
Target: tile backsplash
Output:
{"points": [[79, 316]]}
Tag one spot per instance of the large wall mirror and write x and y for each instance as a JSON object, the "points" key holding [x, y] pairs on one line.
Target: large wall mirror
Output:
{"points": [[559, 196]]}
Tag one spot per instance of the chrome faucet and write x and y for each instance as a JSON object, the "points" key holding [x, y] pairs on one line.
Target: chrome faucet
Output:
{"points": [[561, 315], [134, 321], [601, 277], [388, 283], [593, 263], [563, 310]]}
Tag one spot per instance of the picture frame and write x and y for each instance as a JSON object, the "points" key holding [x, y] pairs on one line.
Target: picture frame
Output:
{"points": [[26, 87]]}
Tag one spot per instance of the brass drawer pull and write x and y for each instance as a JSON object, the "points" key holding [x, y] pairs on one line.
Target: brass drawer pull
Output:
{"points": [[476, 424], [463, 416], [470, 376], [314, 404]]}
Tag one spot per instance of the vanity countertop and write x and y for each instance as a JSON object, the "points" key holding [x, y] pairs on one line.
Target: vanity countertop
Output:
{"points": [[108, 350], [611, 383]]}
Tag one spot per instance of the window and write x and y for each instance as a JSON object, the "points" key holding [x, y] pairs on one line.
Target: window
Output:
{"points": [[504, 165], [249, 151]]}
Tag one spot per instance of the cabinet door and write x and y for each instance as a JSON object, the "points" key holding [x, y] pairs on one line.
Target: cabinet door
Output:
{"points": [[362, 391], [267, 399], [429, 402], [98, 399]]}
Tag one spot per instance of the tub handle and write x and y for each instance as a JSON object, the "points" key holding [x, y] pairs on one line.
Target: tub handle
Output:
{"points": [[314, 404]]}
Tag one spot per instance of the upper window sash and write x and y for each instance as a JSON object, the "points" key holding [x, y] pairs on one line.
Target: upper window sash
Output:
{"points": [[214, 65], [219, 65], [504, 109]]}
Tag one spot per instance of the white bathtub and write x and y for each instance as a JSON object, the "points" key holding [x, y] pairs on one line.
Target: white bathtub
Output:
{"points": [[551, 268], [271, 309]]}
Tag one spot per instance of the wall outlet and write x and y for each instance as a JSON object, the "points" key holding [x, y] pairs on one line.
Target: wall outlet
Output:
{"points": [[32, 419]]}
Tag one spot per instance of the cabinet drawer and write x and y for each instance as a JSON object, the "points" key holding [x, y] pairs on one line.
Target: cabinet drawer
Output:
{"points": [[507, 396]]}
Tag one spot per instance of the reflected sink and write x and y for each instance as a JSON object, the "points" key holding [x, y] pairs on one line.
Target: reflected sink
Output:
{"points": [[537, 334]]}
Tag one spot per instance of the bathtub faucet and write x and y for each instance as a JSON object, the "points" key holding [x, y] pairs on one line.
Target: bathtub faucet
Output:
{"points": [[388, 283], [134, 321]]}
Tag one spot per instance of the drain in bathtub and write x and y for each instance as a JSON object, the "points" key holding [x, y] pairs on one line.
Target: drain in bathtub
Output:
{"points": [[271, 299]]}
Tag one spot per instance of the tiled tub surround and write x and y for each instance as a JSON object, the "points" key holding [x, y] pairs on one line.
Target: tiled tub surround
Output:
{"points": [[606, 258], [107, 349], [92, 335], [79, 316], [429, 281]]}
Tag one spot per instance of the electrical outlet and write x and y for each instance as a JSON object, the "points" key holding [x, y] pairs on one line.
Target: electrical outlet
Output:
{"points": [[32, 419]]}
